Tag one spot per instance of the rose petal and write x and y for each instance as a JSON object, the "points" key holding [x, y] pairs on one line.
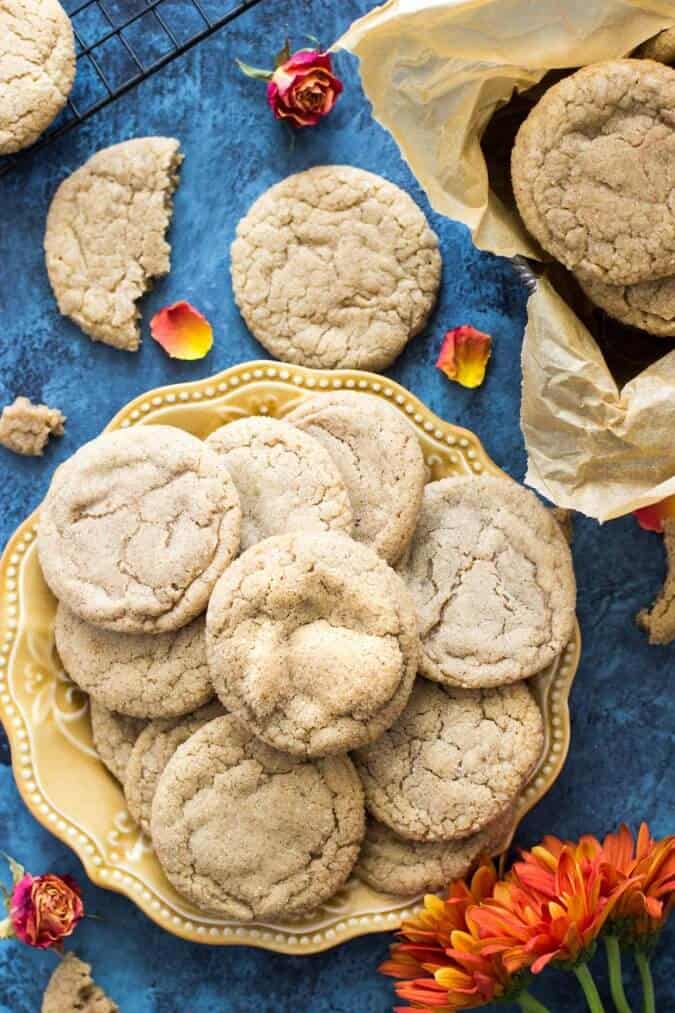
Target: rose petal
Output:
{"points": [[182, 331], [308, 57], [652, 518], [464, 355]]}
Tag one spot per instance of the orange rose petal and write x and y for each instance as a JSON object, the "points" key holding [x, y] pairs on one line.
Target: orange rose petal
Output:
{"points": [[182, 331], [652, 518], [464, 355]]}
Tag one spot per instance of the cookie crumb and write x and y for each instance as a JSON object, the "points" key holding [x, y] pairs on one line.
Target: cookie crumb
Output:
{"points": [[25, 427], [659, 621], [71, 988]]}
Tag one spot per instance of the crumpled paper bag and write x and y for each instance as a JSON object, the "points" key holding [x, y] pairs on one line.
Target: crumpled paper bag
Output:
{"points": [[436, 71]]}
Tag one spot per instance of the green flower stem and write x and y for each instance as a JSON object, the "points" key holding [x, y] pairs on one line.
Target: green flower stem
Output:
{"points": [[615, 976], [529, 1004], [585, 979], [648, 1000]]}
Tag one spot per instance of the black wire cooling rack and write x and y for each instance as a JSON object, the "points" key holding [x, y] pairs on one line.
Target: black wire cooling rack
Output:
{"points": [[121, 43]]}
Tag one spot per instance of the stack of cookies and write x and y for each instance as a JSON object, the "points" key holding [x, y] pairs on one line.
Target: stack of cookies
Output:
{"points": [[283, 628], [593, 171]]}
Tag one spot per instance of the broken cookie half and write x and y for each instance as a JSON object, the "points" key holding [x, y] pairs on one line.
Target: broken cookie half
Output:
{"points": [[71, 987], [105, 240]]}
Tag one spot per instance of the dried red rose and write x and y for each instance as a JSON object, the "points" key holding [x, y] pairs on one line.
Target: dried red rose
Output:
{"points": [[43, 910], [302, 89]]}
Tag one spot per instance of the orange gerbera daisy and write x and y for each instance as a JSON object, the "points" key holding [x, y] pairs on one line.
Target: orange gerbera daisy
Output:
{"points": [[551, 907], [442, 963], [649, 865]]}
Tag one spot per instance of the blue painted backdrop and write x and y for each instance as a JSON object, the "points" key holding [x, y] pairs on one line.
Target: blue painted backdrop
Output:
{"points": [[621, 762]]}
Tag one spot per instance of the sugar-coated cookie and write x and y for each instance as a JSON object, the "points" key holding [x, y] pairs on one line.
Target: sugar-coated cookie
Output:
{"points": [[312, 642], [136, 528], [453, 762], [649, 305], [105, 240], [152, 750], [114, 737], [392, 864], [593, 170], [248, 832], [286, 480], [37, 69], [139, 674], [491, 575], [335, 267], [380, 460]]}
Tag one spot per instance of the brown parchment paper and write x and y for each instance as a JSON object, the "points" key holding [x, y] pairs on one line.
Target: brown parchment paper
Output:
{"points": [[436, 71]]}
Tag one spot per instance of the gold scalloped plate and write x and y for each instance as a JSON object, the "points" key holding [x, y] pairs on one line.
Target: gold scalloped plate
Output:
{"points": [[59, 775]]}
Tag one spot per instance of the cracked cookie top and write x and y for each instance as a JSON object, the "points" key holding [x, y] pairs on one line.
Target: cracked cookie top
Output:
{"points": [[649, 305], [593, 170], [249, 832], [335, 267], [105, 236], [453, 762], [392, 864], [152, 751], [114, 736], [286, 480], [140, 674], [379, 458], [137, 527], [491, 575], [312, 642], [37, 69]]}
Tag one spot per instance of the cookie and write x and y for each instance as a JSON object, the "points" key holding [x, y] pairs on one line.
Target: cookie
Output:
{"points": [[137, 527], [140, 675], [37, 69], [152, 751], [105, 238], [311, 641], [659, 620], [453, 762], [26, 427], [286, 480], [661, 47], [71, 988], [649, 305], [335, 267], [247, 832], [379, 458], [593, 170], [491, 574], [391, 864], [114, 737]]}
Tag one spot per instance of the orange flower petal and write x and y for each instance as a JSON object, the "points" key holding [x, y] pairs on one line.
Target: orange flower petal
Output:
{"points": [[652, 518], [464, 355], [182, 331]]}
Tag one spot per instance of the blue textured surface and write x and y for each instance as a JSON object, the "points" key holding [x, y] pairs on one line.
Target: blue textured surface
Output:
{"points": [[621, 762]]}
